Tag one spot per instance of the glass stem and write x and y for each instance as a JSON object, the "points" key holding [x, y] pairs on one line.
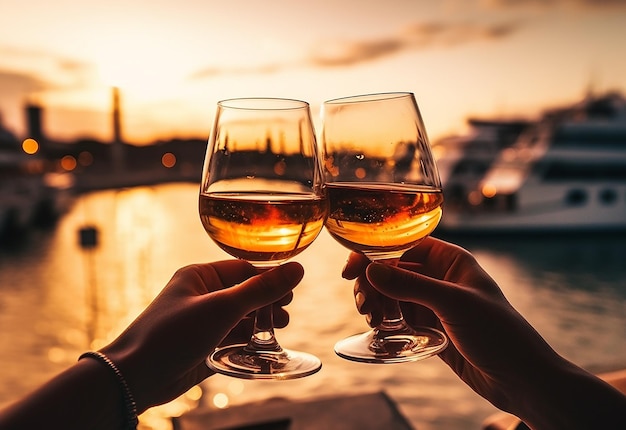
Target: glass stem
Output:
{"points": [[263, 338], [392, 314]]}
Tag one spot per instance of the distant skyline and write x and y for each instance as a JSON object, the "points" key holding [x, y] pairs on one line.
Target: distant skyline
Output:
{"points": [[173, 60]]}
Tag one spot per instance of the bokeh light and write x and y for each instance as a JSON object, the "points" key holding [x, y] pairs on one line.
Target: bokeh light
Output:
{"points": [[168, 160], [30, 146], [68, 163], [220, 400]]}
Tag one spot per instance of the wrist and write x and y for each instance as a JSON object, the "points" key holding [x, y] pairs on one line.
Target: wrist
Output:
{"points": [[83, 396], [566, 396], [130, 407], [102, 391], [126, 362]]}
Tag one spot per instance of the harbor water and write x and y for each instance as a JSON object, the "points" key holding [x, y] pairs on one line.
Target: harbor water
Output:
{"points": [[58, 299]]}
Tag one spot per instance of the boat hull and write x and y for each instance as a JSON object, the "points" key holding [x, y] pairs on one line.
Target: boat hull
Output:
{"points": [[548, 208]]}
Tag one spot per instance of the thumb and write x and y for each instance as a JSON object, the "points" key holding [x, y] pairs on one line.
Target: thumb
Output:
{"points": [[267, 287], [407, 286]]}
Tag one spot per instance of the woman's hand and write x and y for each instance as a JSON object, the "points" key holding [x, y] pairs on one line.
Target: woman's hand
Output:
{"points": [[162, 353], [493, 349]]}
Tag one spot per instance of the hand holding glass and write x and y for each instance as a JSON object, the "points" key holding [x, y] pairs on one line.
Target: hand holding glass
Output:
{"points": [[384, 196], [262, 200]]}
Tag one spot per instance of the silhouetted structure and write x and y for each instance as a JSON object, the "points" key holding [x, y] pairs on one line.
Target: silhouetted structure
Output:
{"points": [[119, 160], [35, 123]]}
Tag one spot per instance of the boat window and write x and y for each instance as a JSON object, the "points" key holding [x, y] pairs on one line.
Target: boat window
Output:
{"points": [[470, 167], [576, 197], [510, 202], [559, 171], [608, 196], [455, 195], [597, 138]]}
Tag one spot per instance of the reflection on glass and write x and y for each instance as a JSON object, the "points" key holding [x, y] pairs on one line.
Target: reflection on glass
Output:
{"points": [[262, 200], [384, 196]]}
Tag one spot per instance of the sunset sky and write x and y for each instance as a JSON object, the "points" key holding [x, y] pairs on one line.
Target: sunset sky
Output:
{"points": [[173, 60]]}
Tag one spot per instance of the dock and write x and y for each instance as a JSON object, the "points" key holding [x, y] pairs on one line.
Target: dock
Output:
{"points": [[368, 411]]}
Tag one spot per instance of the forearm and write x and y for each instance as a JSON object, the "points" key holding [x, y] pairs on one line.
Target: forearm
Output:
{"points": [[85, 396], [571, 398]]}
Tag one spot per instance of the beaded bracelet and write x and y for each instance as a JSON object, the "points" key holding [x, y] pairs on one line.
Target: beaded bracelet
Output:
{"points": [[129, 401]]}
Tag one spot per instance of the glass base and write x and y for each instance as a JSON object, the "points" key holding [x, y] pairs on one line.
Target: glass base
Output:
{"points": [[394, 346], [241, 362]]}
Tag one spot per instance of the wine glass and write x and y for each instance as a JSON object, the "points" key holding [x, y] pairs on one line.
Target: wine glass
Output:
{"points": [[385, 196], [262, 200]]}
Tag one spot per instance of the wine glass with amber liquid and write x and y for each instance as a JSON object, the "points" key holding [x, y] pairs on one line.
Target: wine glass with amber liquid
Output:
{"points": [[384, 196], [262, 200]]}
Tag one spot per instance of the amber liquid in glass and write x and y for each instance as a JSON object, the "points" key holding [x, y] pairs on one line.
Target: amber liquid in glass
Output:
{"points": [[265, 229], [382, 220]]}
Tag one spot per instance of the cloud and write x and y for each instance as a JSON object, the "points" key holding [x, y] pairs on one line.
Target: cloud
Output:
{"points": [[26, 75], [210, 72], [19, 83], [15, 89], [350, 53], [347, 53], [415, 37], [49, 69], [545, 4]]}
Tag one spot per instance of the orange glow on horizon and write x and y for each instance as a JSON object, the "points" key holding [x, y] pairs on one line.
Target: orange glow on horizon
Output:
{"points": [[171, 78]]}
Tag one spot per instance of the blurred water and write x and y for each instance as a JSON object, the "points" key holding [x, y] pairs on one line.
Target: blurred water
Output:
{"points": [[58, 300]]}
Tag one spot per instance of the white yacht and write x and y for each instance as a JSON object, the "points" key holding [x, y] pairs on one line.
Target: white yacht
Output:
{"points": [[568, 174], [463, 160]]}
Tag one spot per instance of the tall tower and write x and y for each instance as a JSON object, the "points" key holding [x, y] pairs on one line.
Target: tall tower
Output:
{"points": [[34, 118], [117, 147]]}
